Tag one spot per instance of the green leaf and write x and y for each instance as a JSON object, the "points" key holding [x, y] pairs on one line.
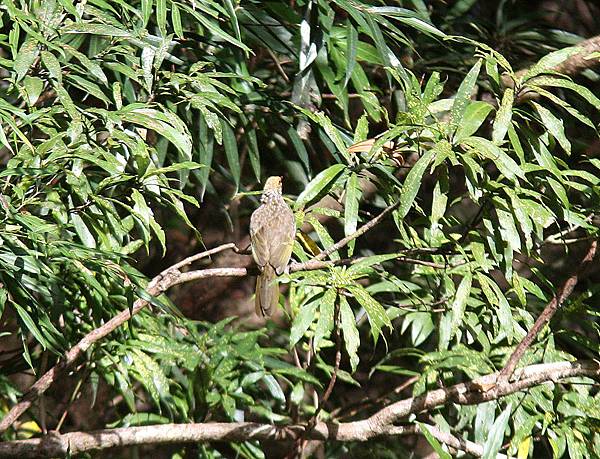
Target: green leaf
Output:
{"points": [[578, 89], [463, 96], [554, 126], [212, 26], [377, 316], [30, 324], [303, 321], [161, 16], [94, 29], [51, 63], [326, 317], [332, 132], [27, 55], [89, 87], [186, 165], [300, 148], [166, 124], [351, 45], [503, 117], [274, 388], [507, 166], [151, 375], [494, 440], [3, 296], [324, 236], [353, 195], [33, 88], [82, 231], [351, 335], [474, 116], [319, 186], [459, 304], [412, 183], [254, 152], [231, 152], [176, 20], [422, 26], [89, 65]]}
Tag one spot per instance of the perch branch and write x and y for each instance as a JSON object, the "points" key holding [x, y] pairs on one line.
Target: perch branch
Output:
{"points": [[381, 423], [169, 277], [166, 279], [359, 232]]}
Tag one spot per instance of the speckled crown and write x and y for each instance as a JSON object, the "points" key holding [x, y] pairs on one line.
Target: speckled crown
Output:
{"points": [[273, 183]]}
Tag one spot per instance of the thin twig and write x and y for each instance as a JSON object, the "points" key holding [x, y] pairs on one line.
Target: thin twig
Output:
{"points": [[207, 253], [336, 368], [278, 65], [561, 295], [359, 232], [301, 442], [353, 409]]}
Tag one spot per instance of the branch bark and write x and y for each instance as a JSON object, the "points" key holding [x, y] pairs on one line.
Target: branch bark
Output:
{"points": [[169, 277], [476, 391], [579, 62], [381, 423], [561, 295]]}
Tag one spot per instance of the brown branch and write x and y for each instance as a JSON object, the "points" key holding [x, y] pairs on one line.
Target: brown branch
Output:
{"points": [[475, 392], [169, 277], [579, 62], [561, 295], [166, 279], [359, 232], [80, 442], [571, 66], [74, 443], [379, 424]]}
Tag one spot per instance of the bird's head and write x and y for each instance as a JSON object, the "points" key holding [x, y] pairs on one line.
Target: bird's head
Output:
{"points": [[273, 183], [272, 190]]}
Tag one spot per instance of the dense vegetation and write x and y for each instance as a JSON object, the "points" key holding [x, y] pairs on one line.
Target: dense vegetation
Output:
{"points": [[450, 148]]}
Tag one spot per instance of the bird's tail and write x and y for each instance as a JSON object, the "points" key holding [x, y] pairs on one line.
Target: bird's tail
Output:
{"points": [[267, 291]]}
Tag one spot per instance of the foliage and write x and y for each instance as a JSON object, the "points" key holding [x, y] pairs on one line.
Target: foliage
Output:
{"points": [[121, 120]]}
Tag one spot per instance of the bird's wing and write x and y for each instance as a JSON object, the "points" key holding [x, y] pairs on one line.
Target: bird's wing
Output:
{"points": [[259, 238], [282, 242]]}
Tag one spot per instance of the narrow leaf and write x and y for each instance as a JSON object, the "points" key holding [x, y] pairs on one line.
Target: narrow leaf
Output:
{"points": [[463, 96], [319, 186]]}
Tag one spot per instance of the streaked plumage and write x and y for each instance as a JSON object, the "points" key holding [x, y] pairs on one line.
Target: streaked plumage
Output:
{"points": [[272, 233]]}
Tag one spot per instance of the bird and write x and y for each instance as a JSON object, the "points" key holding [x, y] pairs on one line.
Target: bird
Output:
{"points": [[272, 234]]}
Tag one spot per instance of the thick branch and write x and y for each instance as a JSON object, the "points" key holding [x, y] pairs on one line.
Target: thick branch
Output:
{"points": [[580, 61], [571, 66], [477, 391], [381, 423], [561, 295]]}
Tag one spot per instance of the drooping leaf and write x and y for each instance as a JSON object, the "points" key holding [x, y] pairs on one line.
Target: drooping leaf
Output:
{"points": [[503, 117], [463, 96], [494, 440], [319, 186]]}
